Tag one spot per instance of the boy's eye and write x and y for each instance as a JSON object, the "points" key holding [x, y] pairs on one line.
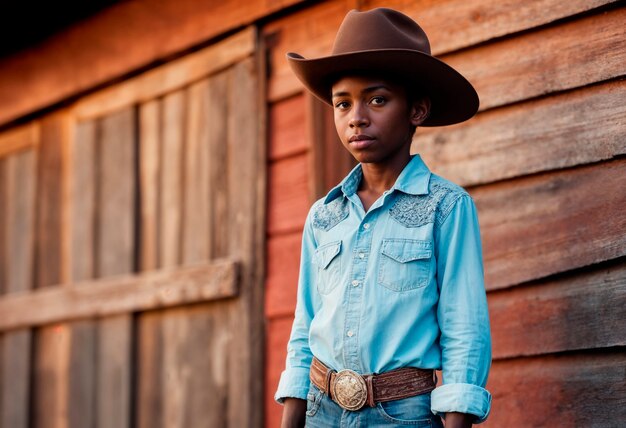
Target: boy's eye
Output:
{"points": [[378, 100], [342, 105]]}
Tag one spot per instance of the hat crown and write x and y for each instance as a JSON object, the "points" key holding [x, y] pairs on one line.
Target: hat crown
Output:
{"points": [[379, 28]]}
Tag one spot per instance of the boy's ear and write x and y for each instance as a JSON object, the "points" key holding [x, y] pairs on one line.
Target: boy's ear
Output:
{"points": [[419, 111]]}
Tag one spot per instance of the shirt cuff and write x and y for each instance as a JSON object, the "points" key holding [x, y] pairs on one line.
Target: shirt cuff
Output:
{"points": [[463, 398], [294, 383]]}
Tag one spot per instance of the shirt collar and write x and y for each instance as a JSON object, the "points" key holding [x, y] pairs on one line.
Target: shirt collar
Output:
{"points": [[413, 180]]}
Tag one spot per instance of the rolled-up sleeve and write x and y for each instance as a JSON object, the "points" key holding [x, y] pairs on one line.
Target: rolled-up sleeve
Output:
{"points": [[462, 314], [294, 380]]}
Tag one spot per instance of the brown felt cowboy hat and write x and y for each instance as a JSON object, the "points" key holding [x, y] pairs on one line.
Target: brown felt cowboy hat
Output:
{"points": [[387, 41]]}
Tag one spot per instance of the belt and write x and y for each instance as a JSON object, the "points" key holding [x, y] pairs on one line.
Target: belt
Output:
{"points": [[352, 391]]}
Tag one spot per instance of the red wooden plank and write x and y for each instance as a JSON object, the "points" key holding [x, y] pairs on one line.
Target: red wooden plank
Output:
{"points": [[278, 332], [288, 194], [283, 265], [574, 128], [287, 127], [566, 391], [550, 223], [561, 314]]}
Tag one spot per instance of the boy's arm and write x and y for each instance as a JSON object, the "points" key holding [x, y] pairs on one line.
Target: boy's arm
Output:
{"points": [[462, 315], [294, 413], [294, 381]]}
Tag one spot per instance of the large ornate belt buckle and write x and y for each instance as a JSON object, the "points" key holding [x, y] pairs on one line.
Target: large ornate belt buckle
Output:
{"points": [[349, 390]]}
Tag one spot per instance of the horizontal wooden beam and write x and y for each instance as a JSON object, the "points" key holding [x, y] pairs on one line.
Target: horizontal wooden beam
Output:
{"points": [[20, 138], [120, 295], [169, 77]]}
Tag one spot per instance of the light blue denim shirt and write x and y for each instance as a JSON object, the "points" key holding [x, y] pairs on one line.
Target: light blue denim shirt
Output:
{"points": [[399, 286]]}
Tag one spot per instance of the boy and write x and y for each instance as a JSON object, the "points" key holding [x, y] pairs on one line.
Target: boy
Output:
{"points": [[391, 282]]}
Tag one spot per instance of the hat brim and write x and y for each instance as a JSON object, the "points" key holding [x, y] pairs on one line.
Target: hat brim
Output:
{"points": [[453, 98]]}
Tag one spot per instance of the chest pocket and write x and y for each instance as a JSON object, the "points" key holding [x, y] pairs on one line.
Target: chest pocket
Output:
{"points": [[404, 264], [328, 263]]}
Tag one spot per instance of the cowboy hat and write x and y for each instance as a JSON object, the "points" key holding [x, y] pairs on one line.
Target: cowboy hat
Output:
{"points": [[388, 42]]}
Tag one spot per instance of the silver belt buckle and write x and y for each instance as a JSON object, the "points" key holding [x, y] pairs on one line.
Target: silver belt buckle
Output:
{"points": [[349, 390]]}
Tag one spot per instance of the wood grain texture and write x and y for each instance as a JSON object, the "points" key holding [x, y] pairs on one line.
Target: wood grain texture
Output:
{"points": [[243, 173], [289, 200], [115, 255], [121, 294], [550, 223], [287, 121], [196, 221], [579, 127], [278, 331], [172, 149], [82, 354], [527, 66], [18, 243], [218, 111], [149, 167], [455, 24], [283, 265], [561, 314], [170, 77], [580, 390], [150, 394], [20, 138]]}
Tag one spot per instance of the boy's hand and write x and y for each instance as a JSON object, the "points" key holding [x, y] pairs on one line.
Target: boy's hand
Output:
{"points": [[458, 420], [294, 413]]}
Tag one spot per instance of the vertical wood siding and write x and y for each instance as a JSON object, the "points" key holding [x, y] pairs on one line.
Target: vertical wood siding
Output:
{"points": [[543, 160]]}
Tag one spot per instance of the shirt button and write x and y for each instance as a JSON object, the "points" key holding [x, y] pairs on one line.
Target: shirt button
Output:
{"points": [[350, 333], [366, 226], [355, 283], [361, 255]]}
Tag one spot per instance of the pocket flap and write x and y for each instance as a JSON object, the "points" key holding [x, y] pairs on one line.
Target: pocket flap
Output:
{"points": [[326, 253], [406, 250]]}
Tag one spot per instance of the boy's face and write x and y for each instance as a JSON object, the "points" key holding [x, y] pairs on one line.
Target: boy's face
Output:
{"points": [[374, 119]]}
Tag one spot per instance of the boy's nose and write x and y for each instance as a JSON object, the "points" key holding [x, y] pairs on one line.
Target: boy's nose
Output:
{"points": [[359, 119]]}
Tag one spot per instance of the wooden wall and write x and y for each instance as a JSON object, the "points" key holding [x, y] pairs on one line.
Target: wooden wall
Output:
{"points": [[544, 161], [131, 230]]}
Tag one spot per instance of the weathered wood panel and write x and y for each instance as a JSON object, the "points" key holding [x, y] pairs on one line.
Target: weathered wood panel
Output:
{"points": [[276, 352], [149, 374], [170, 77], [17, 218], [283, 265], [287, 122], [247, 113], [172, 150], [586, 390], [115, 255], [195, 221], [149, 167], [579, 127], [289, 199], [83, 334], [545, 224], [121, 294], [455, 24], [561, 314], [528, 66], [218, 111], [49, 406]]}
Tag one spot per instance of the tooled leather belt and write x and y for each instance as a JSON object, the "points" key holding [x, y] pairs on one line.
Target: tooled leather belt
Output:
{"points": [[352, 391]]}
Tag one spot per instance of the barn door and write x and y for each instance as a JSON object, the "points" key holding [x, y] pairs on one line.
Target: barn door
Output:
{"points": [[140, 208]]}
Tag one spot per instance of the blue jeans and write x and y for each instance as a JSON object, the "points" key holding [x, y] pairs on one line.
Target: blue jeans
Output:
{"points": [[322, 412]]}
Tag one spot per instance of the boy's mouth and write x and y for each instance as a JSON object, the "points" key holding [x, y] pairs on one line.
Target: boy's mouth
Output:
{"points": [[360, 141]]}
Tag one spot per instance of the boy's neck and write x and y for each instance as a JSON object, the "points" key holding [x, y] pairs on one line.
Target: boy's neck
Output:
{"points": [[378, 178]]}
